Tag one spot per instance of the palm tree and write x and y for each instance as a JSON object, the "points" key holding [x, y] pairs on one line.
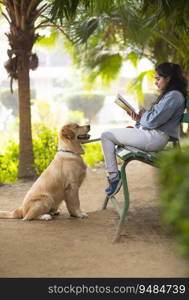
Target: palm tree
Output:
{"points": [[21, 16], [25, 17]]}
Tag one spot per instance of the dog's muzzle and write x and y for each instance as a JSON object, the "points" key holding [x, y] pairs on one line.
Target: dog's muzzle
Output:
{"points": [[84, 137]]}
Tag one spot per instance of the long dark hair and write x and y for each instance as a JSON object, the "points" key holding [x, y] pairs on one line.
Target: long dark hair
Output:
{"points": [[177, 80]]}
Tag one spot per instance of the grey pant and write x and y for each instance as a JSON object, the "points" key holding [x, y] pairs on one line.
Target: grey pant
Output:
{"points": [[147, 140]]}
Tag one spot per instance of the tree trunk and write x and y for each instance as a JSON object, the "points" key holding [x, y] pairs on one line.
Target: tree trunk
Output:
{"points": [[26, 157], [21, 16]]}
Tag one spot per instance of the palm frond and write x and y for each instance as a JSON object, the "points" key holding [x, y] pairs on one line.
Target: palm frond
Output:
{"points": [[64, 9], [136, 84], [133, 57], [81, 31], [105, 65], [177, 11]]}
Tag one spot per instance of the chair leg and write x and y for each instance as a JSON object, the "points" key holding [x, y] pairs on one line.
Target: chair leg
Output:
{"points": [[117, 235], [126, 203], [120, 225], [125, 187], [105, 202], [122, 212]]}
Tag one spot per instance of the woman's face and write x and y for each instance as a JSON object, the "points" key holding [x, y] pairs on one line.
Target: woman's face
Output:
{"points": [[161, 81]]}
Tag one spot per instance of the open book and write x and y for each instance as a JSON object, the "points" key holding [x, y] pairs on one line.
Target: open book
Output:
{"points": [[124, 104]]}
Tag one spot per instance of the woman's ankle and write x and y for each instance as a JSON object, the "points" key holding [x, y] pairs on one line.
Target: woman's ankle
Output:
{"points": [[112, 175]]}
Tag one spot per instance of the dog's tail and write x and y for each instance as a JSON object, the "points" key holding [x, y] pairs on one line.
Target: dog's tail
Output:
{"points": [[15, 214]]}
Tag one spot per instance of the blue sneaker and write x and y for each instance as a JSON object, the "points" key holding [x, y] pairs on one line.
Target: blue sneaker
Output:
{"points": [[114, 185], [109, 180]]}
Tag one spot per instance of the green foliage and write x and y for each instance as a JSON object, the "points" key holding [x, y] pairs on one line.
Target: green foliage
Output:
{"points": [[133, 58], [84, 29], [64, 9], [48, 41], [105, 64], [167, 38], [137, 82], [105, 33], [174, 179], [90, 104], [9, 163], [93, 154], [45, 143]]}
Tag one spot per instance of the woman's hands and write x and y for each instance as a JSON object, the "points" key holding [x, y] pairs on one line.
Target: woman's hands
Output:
{"points": [[134, 116]]}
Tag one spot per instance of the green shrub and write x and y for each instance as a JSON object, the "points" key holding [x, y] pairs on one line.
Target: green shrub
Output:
{"points": [[45, 143], [93, 154], [9, 163], [174, 194]]}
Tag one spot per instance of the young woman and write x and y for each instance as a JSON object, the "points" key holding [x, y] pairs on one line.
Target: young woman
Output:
{"points": [[154, 127]]}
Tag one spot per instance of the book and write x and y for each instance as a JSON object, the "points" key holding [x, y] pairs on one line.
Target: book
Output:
{"points": [[123, 103]]}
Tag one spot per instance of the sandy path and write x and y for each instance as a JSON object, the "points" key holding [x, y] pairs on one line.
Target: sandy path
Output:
{"points": [[69, 247]]}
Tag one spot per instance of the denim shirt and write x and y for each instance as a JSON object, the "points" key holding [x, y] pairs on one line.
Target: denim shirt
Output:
{"points": [[165, 115]]}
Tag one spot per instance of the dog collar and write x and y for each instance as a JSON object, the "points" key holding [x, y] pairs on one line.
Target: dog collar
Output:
{"points": [[62, 150]]}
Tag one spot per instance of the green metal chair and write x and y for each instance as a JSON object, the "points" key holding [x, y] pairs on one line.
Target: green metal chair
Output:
{"points": [[127, 154]]}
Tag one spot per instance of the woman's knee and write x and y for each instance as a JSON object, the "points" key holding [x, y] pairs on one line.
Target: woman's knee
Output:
{"points": [[106, 135]]}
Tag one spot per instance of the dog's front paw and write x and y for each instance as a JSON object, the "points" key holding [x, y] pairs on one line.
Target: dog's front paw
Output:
{"points": [[83, 215], [45, 217], [80, 215]]}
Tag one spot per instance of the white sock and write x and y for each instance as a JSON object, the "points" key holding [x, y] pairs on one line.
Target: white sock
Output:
{"points": [[112, 175]]}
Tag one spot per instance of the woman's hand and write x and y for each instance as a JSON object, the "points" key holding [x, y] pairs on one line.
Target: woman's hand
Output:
{"points": [[135, 117]]}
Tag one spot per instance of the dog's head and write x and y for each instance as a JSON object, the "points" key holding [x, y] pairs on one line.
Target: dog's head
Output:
{"points": [[72, 135]]}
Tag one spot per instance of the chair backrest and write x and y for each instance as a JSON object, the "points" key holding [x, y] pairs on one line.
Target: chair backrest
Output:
{"points": [[185, 118]]}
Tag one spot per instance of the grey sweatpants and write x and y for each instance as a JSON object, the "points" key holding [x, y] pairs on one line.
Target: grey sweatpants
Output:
{"points": [[147, 140]]}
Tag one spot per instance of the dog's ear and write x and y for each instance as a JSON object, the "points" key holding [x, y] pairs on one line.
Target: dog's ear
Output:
{"points": [[67, 133]]}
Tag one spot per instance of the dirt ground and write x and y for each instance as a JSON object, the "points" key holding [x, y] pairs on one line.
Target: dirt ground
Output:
{"points": [[69, 247]]}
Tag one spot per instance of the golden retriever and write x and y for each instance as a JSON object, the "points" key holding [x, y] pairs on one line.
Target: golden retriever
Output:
{"points": [[60, 181]]}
